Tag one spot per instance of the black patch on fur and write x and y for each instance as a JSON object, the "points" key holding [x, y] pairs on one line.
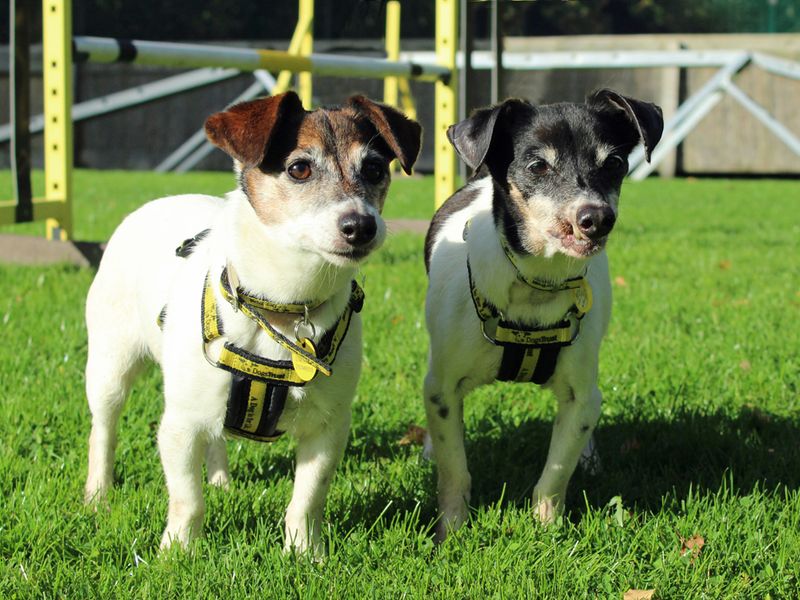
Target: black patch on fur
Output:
{"points": [[458, 201], [520, 133]]}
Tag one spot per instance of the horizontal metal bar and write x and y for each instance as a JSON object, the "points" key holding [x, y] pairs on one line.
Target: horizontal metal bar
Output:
{"points": [[777, 66], [616, 59], [42, 209], [141, 94], [169, 54]]}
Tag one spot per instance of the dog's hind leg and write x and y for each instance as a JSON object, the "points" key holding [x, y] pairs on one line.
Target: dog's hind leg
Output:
{"points": [[217, 463], [578, 412], [110, 371], [446, 428], [182, 449]]}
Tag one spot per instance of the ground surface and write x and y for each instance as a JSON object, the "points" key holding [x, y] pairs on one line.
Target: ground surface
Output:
{"points": [[699, 434]]}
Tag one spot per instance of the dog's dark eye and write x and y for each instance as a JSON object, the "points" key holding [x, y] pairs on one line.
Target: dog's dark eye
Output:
{"points": [[614, 162], [373, 172], [300, 170], [538, 166]]}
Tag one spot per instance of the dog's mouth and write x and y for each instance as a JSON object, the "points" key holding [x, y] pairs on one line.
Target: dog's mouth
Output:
{"points": [[577, 245], [349, 255]]}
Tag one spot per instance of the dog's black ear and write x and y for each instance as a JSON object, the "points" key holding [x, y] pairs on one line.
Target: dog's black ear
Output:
{"points": [[244, 131], [473, 136], [646, 116], [401, 134]]}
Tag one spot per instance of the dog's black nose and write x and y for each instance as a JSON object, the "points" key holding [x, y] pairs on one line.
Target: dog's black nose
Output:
{"points": [[595, 221], [358, 229]]}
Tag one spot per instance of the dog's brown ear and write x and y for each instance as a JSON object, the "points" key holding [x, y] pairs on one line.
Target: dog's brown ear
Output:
{"points": [[645, 116], [401, 134], [473, 136], [244, 131]]}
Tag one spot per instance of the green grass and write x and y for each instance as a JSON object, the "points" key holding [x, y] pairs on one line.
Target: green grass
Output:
{"points": [[698, 435]]}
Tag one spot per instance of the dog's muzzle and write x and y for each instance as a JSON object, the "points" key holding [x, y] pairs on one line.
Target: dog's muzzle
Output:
{"points": [[357, 229]]}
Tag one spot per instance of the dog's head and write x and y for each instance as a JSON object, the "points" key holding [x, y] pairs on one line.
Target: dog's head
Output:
{"points": [[557, 168], [317, 179]]}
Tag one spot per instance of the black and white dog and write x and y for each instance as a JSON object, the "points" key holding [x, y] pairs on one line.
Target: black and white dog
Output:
{"points": [[519, 285]]}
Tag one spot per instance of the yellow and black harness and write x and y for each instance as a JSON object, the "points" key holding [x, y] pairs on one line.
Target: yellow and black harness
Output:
{"points": [[260, 385], [530, 352]]}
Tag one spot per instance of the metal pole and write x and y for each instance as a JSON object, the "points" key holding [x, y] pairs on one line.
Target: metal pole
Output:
{"points": [[446, 100], [304, 81], [19, 106], [496, 36], [466, 76], [392, 44], [57, 75]]}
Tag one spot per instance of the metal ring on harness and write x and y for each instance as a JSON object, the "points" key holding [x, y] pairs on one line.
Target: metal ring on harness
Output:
{"points": [[304, 321]]}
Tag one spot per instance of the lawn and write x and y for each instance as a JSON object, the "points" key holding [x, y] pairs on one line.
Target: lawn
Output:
{"points": [[698, 496]]}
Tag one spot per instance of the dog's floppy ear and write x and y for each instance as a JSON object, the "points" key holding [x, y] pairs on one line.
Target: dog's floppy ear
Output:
{"points": [[473, 136], [646, 116], [401, 134], [244, 131]]}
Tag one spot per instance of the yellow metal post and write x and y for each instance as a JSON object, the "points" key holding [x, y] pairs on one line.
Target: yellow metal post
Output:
{"points": [[446, 100], [57, 67], [306, 14], [390, 84]]}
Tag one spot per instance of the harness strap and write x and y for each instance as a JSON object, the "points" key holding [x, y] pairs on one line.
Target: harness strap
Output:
{"points": [[241, 296], [254, 408], [530, 354], [239, 361]]}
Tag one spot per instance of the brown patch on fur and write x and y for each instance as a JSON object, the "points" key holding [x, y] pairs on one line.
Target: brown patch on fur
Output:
{"points": [[335, 142], [532, 240], [244, 131]]}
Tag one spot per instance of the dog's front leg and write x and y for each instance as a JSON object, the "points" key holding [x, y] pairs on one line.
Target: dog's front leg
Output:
{"points": [[446, 429], [578, 412], [318, 455], [217, 463], [182, 449]]}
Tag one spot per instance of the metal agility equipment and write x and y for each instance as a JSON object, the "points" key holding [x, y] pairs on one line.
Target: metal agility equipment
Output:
{"points": [[212, 64]]}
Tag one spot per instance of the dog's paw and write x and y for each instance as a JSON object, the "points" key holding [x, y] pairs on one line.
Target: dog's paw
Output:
{"points": [[547, 508], [451, 519], [94, 495], [219, 479]]}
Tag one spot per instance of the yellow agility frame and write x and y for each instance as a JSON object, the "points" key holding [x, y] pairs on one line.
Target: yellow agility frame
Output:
{"points": [[55, 208]]}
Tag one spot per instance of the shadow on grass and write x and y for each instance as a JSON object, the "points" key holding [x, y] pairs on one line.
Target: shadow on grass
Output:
{"points": [[642, 461]]}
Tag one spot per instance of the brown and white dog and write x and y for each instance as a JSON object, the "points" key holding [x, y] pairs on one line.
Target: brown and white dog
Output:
{"points": [[306, 213], [513, 258]]}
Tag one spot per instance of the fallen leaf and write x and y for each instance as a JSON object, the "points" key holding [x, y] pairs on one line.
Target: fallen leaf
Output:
{"points": [[620, 281], [744, 365], [397, 319], [693, 545], [415, 435], [724, 265], [638, 594]]}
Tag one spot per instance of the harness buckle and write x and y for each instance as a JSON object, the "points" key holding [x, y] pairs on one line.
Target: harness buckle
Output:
{"points": [[304, 322]]}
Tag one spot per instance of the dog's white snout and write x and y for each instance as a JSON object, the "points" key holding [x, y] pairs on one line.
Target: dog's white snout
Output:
{"points": [[595, 221]]}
